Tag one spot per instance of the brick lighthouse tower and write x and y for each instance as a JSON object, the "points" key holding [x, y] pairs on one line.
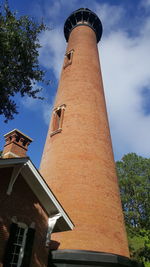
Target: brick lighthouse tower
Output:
{"points": [[78, 161]]}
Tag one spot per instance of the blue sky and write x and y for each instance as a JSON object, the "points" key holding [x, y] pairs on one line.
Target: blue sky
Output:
{"points": [[125, 62]]}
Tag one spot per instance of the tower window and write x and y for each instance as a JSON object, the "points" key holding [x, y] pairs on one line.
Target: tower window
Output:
{"points": [[68, 58], [57, 119]]}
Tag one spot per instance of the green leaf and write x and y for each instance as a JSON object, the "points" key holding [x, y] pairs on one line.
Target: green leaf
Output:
{"points": [[19, 66], [134, 180]]}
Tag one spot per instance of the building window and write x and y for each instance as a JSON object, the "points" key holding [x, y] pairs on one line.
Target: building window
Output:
{"points": [[57, 119], [68, 58], [19, 246]]}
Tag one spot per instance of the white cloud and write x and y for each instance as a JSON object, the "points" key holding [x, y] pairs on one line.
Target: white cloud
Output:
{"points": [[126, 70], [145, 3], [47, 111], [43, 107], [54, 9], [52, 51], [109, 15]]}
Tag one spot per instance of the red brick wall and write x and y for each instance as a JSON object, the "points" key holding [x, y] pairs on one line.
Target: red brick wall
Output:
{"points": [[23, 204], [16, 149], [78, 163]]}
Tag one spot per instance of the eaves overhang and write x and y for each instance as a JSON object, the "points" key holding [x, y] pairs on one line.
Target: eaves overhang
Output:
{"points": [[42, 191]]}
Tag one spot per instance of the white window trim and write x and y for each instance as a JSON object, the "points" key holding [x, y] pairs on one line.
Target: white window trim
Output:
{"points": [[62, 108], [21, 253]]}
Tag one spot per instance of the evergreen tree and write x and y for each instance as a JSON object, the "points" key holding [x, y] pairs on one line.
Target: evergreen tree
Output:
{"points": [[134, 179]]}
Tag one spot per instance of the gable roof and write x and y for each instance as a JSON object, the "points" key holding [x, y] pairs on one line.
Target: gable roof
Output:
{"points": [[42, 191]]}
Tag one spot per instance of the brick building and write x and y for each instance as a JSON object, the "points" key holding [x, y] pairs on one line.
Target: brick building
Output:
{"points": [[29, 211]]}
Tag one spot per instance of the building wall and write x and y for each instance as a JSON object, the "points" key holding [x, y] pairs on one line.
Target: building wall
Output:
{"points": [[23, 204], [78, 162]]}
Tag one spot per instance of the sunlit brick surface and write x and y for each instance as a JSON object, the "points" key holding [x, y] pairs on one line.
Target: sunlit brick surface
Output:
{"points": [[78, 163]]}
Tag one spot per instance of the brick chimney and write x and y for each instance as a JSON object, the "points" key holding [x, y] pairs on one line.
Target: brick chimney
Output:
{"points": [[16, 144]]}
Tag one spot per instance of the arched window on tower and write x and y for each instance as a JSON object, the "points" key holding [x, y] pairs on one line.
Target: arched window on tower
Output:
{"points": [[57, 119], [68, 58]]}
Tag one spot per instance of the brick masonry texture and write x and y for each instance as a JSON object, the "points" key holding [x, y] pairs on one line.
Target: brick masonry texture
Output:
{"points": [[78, 163], [14, 148], [23, 204]]}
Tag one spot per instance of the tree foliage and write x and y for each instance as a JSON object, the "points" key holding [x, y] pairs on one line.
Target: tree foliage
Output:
{"points": [[134, 179], [19, 66]]}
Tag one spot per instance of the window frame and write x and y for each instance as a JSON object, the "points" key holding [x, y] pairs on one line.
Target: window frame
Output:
{"points": [[17, 244], [55, 117], [17, 253], [68, 58]]}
